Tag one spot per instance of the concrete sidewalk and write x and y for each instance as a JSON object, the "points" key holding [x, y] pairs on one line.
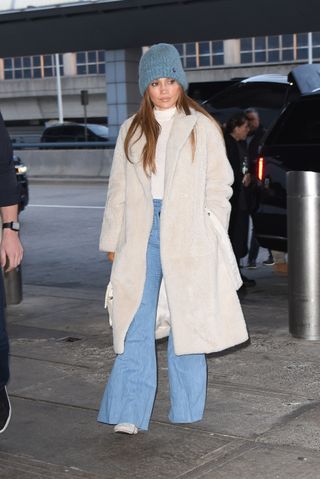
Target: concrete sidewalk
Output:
{"points": [[262, 417]]}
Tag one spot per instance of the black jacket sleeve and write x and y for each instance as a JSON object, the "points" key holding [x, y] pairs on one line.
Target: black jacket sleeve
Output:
{"points": [[233, 154], [8, 181]]}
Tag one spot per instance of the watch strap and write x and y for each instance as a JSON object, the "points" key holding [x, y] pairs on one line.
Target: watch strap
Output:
{"points": [[12, 225]]}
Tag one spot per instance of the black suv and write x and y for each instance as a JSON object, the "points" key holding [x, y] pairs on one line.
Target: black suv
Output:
{"points": [[293, 144], [289, 108]]}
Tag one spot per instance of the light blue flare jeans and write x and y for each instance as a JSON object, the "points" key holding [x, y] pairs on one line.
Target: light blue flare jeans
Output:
{"points": [[130, 392]]}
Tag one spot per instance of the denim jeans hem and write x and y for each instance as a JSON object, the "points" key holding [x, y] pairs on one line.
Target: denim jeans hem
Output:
{"points": [[184, 420], [114, 423]]}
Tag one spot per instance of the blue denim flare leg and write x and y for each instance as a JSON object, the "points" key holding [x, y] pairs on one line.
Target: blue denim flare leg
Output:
{"points": [[130, 392]]}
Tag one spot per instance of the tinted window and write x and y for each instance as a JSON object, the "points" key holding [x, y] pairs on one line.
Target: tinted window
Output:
{"points": [[299, 124], [64, 133], [267, 97], [50, 133], [75, 133], [243, 95]]}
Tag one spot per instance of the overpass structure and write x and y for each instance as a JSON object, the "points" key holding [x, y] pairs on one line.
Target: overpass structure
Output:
{"points": [[122, 27], [50, 26]]}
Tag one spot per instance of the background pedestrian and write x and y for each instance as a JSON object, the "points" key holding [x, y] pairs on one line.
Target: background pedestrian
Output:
{"points": [[11, 255], [236, 131], [253, 142]]}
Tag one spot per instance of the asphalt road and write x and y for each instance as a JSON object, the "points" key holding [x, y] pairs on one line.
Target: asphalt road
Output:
{"points": [[263, 399], [60, 234]]}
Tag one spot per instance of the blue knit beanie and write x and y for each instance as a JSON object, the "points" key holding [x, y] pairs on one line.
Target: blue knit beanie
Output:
{"points": [[161, 61]]}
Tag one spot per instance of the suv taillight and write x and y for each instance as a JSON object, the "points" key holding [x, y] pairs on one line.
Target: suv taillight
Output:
{"points": [[260, 169]]}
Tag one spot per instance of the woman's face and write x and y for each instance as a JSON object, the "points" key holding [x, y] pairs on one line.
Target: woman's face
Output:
{"points": [[164, 93]]}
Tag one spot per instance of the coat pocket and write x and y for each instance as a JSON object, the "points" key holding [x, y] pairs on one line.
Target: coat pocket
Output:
{"points": [[225, 247]]}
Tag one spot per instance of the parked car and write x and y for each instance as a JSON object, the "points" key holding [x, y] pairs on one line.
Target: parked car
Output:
{"points": [[74, 132], [22, 179], [293, 144]]}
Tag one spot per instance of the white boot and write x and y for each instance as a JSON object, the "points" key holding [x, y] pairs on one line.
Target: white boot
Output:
{"points": [[126, 428]]}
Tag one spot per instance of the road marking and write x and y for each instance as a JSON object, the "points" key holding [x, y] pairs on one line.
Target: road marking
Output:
{"points": [[68, 206]]}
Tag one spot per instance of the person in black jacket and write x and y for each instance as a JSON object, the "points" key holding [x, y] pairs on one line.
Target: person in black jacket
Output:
{"points": [[236, 131], [253, 142], [11, 253]]}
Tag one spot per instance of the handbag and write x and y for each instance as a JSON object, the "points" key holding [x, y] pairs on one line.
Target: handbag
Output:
{"points": [[108, 302], [163, 315]]}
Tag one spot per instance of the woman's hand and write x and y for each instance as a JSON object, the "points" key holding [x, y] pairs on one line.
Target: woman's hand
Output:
{"points": [[110, 256]]}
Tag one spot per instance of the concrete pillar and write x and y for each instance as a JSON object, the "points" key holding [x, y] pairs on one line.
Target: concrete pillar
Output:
{"points": [[123, 97], [232, 52], [69, 64]]}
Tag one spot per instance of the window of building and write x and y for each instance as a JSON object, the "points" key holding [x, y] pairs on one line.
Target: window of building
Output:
{"points": [[201, 54], [38, 66], [291, 47], [91, 63], [253, 50], [316, 45]]}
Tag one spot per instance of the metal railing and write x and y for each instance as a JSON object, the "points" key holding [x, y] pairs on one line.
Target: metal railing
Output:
{"points": [[64, 145]]}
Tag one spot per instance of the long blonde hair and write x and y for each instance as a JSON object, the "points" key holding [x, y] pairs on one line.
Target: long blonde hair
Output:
{"points": [[144, 123]]}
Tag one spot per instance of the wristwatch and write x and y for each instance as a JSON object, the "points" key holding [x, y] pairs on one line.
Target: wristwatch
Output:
{"points": [[13, 225]]}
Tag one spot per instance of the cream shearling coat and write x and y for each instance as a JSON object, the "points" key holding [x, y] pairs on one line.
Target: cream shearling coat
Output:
{"points": [[200, 275]]}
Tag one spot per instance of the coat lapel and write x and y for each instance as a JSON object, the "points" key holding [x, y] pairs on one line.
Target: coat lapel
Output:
{"points": [[180, 132], [135, 156]]}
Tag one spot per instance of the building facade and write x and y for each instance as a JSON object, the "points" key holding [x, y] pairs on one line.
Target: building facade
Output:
{"points": [[28, 87]]}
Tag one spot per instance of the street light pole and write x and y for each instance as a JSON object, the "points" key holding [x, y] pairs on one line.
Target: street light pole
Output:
{"points": [[84, 94], [59, 92], [310, 56]]}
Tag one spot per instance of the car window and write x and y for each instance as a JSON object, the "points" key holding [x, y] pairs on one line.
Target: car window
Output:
{"points": [[64, 133], [76, 133], [52, 133], [299, 124], [266, 97]]}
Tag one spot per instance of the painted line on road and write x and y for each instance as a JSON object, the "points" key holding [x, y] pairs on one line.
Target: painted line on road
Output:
{"points": [[68, 206]]}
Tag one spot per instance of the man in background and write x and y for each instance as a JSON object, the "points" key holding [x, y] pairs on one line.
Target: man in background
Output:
{"points": [[253, 142], [11, 253]]}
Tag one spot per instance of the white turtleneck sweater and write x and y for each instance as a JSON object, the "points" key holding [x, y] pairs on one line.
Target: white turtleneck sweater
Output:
{"points": [[165, 120]]}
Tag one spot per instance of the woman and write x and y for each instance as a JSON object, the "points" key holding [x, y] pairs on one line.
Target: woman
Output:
{"points": [[166, 223], [236, 132]]}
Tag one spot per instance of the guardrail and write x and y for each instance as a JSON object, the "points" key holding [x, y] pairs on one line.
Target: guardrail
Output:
{"points": [[86, 162], [74, 145]]}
